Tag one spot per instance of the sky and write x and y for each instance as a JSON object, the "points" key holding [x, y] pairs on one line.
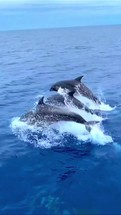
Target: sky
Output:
{"points": [[35, 14]]}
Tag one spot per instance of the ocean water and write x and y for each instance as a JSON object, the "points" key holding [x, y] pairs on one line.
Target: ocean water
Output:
{"points": [[61, 169]]}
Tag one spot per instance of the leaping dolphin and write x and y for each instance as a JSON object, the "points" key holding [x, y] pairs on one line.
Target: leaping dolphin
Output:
{"points": [[77, 86], [61, 101], [50, 114]]}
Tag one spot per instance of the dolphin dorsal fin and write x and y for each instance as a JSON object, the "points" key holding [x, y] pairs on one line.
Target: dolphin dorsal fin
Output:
{"points": [[71, 93], [41, 101], [79, 78]]}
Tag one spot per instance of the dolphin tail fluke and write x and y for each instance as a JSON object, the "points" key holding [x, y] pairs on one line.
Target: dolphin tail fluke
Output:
{"points": [[88, 128], [89, 123]]}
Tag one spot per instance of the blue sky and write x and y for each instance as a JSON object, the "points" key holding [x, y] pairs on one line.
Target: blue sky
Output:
{"points": [[31, 14]]}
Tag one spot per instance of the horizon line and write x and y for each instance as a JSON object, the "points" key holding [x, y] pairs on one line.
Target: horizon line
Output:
{"points": [[53, 28]]}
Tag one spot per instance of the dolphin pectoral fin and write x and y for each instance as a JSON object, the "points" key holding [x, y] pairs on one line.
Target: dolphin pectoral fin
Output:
{"points": [[79, 78]]}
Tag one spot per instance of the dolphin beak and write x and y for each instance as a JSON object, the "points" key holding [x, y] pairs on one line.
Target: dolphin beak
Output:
{"points": [[52, 89]]}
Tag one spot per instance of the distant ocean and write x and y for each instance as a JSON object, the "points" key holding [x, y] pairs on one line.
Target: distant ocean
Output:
{"points": [[60, 171]]}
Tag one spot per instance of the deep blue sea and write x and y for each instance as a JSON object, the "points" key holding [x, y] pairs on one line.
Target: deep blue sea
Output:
{"points": [[62, 173]]}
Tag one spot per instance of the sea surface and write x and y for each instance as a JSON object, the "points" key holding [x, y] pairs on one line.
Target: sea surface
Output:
{"points": [[61, 170]]}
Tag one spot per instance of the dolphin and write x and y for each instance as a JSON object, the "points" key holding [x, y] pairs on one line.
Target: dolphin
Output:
{"points": [[77, 86], [50, 114], [61, 101]]}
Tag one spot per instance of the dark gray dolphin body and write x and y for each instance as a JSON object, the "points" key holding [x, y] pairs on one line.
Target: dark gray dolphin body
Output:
{"points": [[50, 114], [77, 86], [56, 100]]}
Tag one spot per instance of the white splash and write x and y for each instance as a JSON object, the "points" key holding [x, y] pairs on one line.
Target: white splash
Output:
{"points": [[92, 105], [62, 91], [96, 136], [49, 136]]}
